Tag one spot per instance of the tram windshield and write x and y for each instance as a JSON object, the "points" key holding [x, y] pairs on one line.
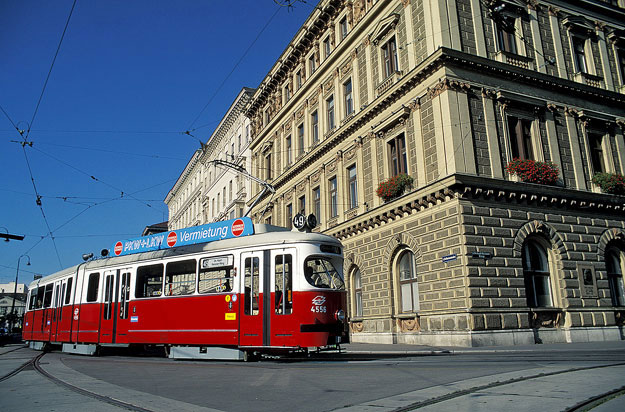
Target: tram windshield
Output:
{"points": [[321, 273]]}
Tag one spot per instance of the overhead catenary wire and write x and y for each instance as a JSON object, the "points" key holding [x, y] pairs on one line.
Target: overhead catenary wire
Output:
{"points": [[210, 100], [45, 84]]}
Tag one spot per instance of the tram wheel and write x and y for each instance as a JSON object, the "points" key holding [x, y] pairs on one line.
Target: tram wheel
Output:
{"points": [[250, 356]]}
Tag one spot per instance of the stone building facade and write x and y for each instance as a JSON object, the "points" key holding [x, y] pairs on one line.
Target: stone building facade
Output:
{"points": [[449, 92], [205, 192]]}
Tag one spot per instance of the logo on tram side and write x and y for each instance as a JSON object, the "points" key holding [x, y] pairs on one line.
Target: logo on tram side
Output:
{"points": [[172, 238], [211, 232], [238, 226], [119, 248], [319, 300], [318, 304]]}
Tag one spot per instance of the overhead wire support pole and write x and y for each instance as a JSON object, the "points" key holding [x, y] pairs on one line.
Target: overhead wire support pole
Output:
{"points": [[267, 187]]}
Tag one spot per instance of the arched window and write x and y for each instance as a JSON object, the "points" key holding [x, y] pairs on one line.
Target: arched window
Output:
{"points": [[408, 287], [356, 293], [536, 273], [614, 266]]}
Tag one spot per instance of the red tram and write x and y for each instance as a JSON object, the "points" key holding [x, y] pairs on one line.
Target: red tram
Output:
{"points": [[256, 289]]}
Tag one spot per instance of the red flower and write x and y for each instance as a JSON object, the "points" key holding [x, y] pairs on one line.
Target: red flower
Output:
{"points": [[534, 172]]}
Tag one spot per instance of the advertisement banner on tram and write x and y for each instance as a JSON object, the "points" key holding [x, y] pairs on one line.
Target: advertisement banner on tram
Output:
{"points": [[211, 232]]}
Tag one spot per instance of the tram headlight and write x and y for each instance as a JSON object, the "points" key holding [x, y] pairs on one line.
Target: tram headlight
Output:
{"points": [[339, 315]]}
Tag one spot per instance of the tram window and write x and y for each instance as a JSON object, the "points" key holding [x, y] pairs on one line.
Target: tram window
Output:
{"points": [[68, 294], [149, 281], [284, 284], [251, 286], [39, 303], [47, 297], [180, 278], [93, 287], [61, 301], [125, 296], [330, 249], [215, 280], [321, 273], [33, 299], [108, 296], [56, 301]]}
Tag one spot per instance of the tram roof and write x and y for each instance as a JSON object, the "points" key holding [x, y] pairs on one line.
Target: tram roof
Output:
{"points": [[263, 235]]}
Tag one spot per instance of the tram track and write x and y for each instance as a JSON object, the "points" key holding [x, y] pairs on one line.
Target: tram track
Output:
{"points": [[582, 406], [84, 392]]}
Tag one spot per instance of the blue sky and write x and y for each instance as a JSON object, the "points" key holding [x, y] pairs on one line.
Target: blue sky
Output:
{"points": [[130, 77]]}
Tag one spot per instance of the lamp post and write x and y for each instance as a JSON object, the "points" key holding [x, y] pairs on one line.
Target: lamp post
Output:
{"points": [[17, 273]]}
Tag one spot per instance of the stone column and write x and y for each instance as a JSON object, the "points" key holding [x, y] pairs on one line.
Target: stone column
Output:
{"points": [[576, 150], [370, 81], [490, 122], [537, 43], [418, 141], [557, 41], [410, 46], [478, 28], [605, 61], [552, 137]]}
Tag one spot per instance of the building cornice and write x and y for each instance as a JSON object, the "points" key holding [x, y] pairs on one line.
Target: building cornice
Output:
{"points": [[470, 187]]}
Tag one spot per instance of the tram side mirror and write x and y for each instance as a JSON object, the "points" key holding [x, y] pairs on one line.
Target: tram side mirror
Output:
{"points": [[304, 223]]}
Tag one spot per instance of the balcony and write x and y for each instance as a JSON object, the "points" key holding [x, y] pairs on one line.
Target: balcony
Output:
{"points": [[515, 60], [588, 79], [388, 82]]}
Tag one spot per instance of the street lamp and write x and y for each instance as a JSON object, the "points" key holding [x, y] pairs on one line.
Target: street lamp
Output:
{"points": [[17, 273]]}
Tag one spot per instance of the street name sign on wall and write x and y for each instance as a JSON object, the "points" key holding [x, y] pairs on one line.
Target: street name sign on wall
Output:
{"points": [[211, 232], [449, 258]]}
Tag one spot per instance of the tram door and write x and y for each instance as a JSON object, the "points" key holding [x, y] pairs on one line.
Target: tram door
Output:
{"points": [[254, 316], [123, 306], [64, 311], [108, 315], [56, 311]]}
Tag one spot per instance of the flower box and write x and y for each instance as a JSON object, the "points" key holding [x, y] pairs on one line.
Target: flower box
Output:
{"points": [[611, 183], [532, 171], [394, 187]]}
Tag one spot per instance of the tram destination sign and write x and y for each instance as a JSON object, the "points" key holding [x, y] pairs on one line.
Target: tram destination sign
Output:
{"points": [[211, 232]]}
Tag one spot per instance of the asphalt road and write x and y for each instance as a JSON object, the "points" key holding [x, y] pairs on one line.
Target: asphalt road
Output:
{"points": [[313, 385], [367, 378]]}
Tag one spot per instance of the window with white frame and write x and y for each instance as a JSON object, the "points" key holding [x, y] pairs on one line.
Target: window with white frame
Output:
{"points": [[298, 79], [314, 126], [579, 54], [390, 63], [327, 47], [317, 203], [348, 97], [289, 150], [536, 273], [268, 174], [312, 64], [620, 62], [352, 186], [614, 267], [300, 139], [289, 216], [520, 137], [330, 112], [595, 146], [356, 293], [301, 204], [333, 195], [405, 269], [398, 161], [506, 34], [343, 28]]}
